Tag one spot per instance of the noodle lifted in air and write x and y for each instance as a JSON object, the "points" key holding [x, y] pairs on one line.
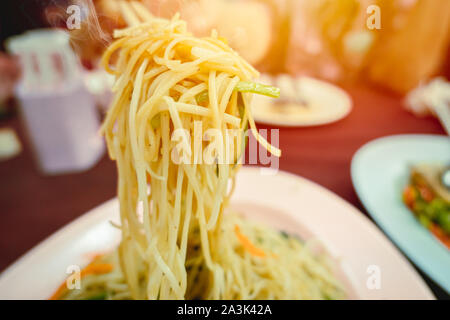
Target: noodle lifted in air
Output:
{"points": [[177, 243]]}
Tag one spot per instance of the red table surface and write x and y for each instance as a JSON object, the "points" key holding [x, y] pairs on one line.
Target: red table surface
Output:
{"points": [[33, 206]]}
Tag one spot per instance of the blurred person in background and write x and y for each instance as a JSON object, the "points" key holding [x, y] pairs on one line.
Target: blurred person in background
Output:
{"points": [[9, 74], [328, 39], [249, 31]]}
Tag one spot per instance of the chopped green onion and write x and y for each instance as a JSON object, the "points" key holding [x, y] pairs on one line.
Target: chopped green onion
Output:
{"points": [[156, 122], [202, 96], [424, 220], [258, 88], [284, 234], [100, 296], [444, 221], [246, 86]]}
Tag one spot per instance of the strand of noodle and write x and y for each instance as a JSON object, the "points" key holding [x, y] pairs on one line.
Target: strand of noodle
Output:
{"points": [[192, 92], [221, 84], [171, 64], [209, 178], [275, 151], [108, 53], [154, 72], [186, 223], [213, 98], [179, 88], [177, 215], [109, 121], [166, 270], [222, 183], [165, 163], [137, 55], [155, 46], [200, 214], [223, 68], [200, 111], [138, 157], [163, 89], [227, 94], [141, 11], [127, 13], [242, 64]]}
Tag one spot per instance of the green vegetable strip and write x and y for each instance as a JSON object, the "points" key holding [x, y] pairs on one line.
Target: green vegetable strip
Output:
{"points": [[156, 121], [100, 296], [202, 96], [258, 88], [245, 86]]}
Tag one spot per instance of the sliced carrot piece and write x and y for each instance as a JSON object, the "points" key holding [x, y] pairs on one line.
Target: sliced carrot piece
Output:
{"points": [[247, 244], [409, 196], [426, 193], [440, 234], [96, 269], [89, 269]]}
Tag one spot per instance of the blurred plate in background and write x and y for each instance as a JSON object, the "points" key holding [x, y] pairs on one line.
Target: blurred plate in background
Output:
{"points": [[380, 170], [303, 102]]}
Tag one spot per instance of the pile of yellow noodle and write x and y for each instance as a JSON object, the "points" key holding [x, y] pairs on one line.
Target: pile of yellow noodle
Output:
{"points": [[177, 243]]}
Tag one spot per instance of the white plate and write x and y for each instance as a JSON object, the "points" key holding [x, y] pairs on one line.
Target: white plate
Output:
{"points": [[284, 200], [380, 171], [327, 103]]}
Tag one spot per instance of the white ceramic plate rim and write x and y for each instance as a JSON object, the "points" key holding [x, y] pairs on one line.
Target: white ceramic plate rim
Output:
{"points": [[313, 122], [431, 269], [353, 257]]}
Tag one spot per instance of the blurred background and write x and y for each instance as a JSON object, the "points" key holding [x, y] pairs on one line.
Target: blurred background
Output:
{"points": [[382, 54]]}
